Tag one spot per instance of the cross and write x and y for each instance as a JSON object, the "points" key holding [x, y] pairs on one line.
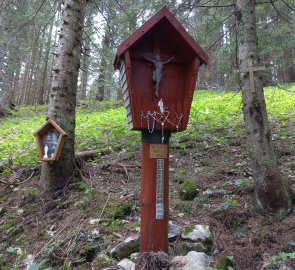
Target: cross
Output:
{"points": [[251, 70]]}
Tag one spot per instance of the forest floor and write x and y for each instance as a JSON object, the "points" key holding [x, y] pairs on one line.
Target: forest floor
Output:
{"points": [[67, 229]]}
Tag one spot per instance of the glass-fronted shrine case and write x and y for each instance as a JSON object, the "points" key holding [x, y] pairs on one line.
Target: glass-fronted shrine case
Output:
{"points": [[50, 139]]}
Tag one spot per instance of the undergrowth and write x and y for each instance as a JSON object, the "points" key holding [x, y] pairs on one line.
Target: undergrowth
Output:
{"points": [[103, 126]]}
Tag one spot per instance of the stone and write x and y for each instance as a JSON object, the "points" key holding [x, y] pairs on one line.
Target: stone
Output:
{"points": [[192, 261], [183, 247], [89, 252], [134, 256], [101, 261], [196, 238], [197, 233], [126, 248], [126, 264], [188, 190], [174, 231]]}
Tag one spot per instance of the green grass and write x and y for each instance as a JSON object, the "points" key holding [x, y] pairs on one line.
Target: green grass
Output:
{"points": [[104, 126]]}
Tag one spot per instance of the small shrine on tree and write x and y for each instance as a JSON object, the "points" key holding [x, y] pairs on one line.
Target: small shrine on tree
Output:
{"points": [[158, 67], [50, 140]]}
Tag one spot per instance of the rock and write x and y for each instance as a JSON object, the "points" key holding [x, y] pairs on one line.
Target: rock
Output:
{"points": [[183, 247], [215, 192], [192, 261], [197, 233], [173, 231], [134, 256], [292, 245], [126, 264], [188, 190], [117, 210], [100, 262], [126, 248], [197, 238], [88, 252]]}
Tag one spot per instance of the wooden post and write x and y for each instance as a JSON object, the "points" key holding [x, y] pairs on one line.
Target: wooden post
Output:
{"points": [[154, 191], [251, 70]]}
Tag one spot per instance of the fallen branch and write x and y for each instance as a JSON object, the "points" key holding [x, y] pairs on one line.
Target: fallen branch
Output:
{"points": [[86, 155]]}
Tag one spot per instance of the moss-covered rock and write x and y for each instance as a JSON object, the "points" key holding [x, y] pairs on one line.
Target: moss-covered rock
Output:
{"points": [[188, 190], [101, 261], [117, 210], [88, 252]]}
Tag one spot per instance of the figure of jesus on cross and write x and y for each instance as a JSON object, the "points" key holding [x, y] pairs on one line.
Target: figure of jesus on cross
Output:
{"points": [[158, 70]]}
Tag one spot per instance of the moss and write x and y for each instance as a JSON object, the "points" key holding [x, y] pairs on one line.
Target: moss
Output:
{"points": [[88, 252], [117, 210], [188, 190], [224, 263], [188, 230], [102, 261]]}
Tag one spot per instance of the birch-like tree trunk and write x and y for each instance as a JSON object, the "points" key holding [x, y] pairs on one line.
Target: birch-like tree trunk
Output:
{"points": [[271, 192], [62, 98]]}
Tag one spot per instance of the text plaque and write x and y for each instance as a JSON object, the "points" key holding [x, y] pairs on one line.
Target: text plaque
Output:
{"points": [[158, 151]]}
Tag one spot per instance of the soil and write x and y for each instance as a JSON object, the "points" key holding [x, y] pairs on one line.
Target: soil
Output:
{"points": [[60, 227]]}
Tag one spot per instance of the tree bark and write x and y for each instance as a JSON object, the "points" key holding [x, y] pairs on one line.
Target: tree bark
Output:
{"points": [[45, 69], [271, 192], [62, 99], [85, 67]]}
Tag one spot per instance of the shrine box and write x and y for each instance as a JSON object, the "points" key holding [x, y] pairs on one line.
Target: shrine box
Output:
{"points": [[50, 140], [158, 66]]}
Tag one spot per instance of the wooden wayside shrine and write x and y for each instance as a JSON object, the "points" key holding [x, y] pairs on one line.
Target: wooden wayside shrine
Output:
{"points": [[158, 67], [50, 140]]}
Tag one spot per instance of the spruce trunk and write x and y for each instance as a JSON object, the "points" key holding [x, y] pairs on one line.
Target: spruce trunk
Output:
{"points": [[271, 192], [62, 98]]}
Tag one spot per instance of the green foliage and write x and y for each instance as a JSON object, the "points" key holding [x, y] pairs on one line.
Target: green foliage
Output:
{"points": [[224, 263], [272, 261], [104, 127], [116, 210], [47, 252], [231, 201], [86, 198], [188, 190]]}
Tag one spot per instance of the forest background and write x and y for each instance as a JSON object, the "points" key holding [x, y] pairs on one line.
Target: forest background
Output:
{"points": [[29, 35]]}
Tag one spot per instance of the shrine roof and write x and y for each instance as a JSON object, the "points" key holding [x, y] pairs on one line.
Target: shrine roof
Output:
{"points": [[163, 13]]}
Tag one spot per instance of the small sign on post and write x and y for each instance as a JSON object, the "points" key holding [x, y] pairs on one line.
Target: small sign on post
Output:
{"points": [[158, 67]]}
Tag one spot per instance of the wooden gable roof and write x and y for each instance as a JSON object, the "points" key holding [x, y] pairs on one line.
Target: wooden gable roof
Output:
{"points": [[163, 13]]}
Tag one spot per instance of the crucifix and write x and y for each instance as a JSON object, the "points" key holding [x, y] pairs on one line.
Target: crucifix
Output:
{"points": [[251, 69], [158, 70]]}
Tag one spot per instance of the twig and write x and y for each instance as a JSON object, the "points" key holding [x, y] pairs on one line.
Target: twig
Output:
{"points": [[3, 182], [126, 172], [105, 206], [27, 179], [83, 178], [53, 238]]}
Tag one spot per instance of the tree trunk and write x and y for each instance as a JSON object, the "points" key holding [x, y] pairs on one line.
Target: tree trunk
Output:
{"points": [[62, 99], [102, 89], [271, 192], [7, 78], [46, 60], [85, 67]]}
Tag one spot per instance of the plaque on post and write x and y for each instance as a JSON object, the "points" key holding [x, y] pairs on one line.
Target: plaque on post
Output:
{"points": [[158, 67], [50, 139]]}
